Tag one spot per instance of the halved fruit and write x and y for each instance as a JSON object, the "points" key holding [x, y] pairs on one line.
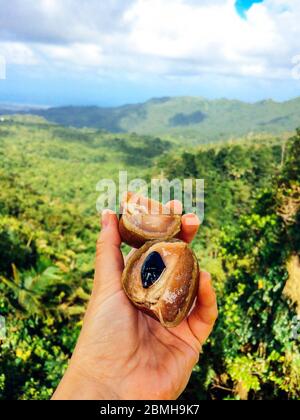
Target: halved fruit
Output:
{"points": [[162, 279], [143, 219]]}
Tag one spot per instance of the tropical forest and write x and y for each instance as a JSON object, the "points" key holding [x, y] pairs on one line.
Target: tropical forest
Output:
{"points": [[249, 239]]}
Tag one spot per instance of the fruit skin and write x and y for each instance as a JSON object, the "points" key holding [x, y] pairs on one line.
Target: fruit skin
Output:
{"points": [[136, 239], [169, 315], [128, 236], [134, 235]]}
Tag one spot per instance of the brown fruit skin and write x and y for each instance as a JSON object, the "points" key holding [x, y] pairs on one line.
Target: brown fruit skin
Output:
{"points": [[135, 236], [130, 238], [135, 239], [170, 315]]}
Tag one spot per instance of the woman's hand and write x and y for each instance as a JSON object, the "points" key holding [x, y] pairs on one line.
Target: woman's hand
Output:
{"points": [[121, 352]]}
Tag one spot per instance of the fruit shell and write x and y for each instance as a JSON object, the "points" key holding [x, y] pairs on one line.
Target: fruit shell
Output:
{"points": [[162, 311], [137, 238]]}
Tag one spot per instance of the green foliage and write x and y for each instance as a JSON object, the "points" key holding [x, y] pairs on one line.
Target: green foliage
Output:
{"points": [[233, 176], [252, 350], [137, 150], [16, 244]]}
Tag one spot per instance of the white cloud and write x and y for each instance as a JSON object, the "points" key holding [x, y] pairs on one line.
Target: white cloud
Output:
{"points": [[18, 53], [212, 36], [167, 37], [60, 21], [76, 54]]}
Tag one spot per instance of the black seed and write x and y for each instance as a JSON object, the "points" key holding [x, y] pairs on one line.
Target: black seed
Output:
{"points": [[152, 269]]}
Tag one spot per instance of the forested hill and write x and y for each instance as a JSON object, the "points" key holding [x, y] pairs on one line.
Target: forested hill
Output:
{"points": [[193, 119]]}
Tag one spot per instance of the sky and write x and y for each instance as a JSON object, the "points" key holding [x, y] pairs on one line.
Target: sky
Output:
{"points": [[242, 6], [111, 52]]}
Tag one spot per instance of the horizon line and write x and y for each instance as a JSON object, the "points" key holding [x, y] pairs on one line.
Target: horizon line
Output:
{"points": [[7, 105]]}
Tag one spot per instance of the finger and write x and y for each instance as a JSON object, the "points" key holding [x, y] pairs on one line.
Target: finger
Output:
{"points": [[203, 316], [109, 259], [189, 227], [175, 206]]}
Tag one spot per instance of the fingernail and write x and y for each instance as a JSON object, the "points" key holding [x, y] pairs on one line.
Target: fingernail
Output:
{"points": [[105, 218], [191, 219]]}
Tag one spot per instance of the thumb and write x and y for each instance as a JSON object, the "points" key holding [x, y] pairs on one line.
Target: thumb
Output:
{"points": [[109, 259]]}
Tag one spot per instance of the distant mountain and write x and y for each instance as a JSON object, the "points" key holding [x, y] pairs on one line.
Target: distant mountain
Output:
{"points": [[11, 108], [195, 119]]}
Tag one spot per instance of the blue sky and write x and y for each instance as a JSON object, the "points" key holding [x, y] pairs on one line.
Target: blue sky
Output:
{"points": [[243, 5], [123, 51]]}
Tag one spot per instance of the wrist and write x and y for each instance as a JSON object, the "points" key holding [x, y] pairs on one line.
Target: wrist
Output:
{"points": [[77, 386]]}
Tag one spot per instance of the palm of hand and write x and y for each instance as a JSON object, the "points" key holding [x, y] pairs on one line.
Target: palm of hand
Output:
{"points": [[143, 358]]}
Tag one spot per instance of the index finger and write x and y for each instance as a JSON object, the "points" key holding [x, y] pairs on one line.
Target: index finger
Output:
{"points": [[190, 223]]}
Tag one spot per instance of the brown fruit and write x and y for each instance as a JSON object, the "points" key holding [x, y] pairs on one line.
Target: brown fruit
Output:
{"points": [[162, 279], [145, 220]]}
